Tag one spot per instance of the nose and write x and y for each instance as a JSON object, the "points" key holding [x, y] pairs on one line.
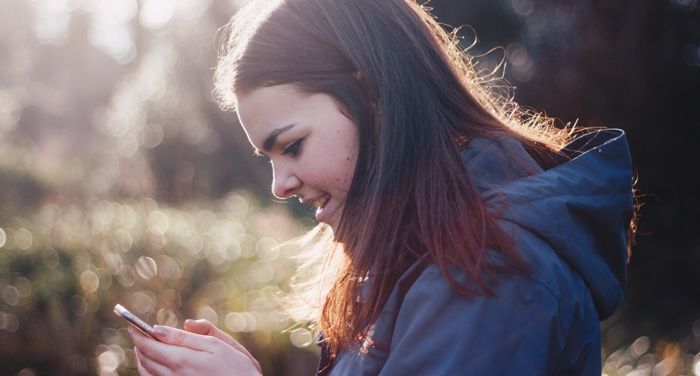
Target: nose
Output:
{"points": [[284, 183]]}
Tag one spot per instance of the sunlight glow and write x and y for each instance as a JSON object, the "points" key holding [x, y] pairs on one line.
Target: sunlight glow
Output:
{"points": [[155, 14]]}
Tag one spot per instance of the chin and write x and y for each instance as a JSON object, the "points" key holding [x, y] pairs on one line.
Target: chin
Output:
{"points": [[334, 221], [333, 225], [333, 228]]}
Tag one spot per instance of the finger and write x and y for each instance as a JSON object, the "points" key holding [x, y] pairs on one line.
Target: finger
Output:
{"points": [[148, 367], [182, 338], [201, 326], [139, 367], [160, 352], [204, 327]]}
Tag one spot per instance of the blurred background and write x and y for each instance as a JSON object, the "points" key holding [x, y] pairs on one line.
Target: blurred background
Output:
{"points": [[122, 182]]}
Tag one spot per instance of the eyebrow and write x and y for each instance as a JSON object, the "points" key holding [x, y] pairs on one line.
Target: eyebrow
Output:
{"points": [[272, 137]]}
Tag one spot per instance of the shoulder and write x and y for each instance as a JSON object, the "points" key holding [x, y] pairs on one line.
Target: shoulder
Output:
{"points": [[516, 297], [551, 289], [545, 321], [437, 332], [530, 318]]}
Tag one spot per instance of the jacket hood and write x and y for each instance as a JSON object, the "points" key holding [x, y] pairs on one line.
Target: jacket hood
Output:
{"points": [[581, 207]]}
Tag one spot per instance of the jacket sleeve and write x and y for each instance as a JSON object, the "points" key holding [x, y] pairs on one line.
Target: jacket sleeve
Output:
{"points": [[438, 333]]}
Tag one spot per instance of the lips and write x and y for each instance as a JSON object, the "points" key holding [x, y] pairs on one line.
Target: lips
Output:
{"points": [[321, 201], [323, 210], [325, 201]]}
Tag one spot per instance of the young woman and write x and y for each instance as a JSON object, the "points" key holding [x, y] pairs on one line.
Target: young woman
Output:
{"points": [[468, 236]]}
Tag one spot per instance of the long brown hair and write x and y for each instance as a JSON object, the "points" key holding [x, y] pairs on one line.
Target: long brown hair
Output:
{"points": [[417, 103]]}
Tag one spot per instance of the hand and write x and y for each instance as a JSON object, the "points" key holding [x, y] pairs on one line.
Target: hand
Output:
{"points": [[201, 349], [204, 327]]}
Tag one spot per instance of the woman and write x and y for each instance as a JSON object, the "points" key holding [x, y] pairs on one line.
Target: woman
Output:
{"points": [[471, 237]]}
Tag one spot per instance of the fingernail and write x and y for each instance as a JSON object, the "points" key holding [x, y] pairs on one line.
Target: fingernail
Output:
{"points": [[128, 330], [160, 331], [190, 321]]}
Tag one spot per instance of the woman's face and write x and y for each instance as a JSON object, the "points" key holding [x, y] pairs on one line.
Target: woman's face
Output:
{"points": [[312, 146]]}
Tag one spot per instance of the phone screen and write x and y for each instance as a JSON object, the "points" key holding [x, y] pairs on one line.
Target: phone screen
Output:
{"points": [[134, 320]]}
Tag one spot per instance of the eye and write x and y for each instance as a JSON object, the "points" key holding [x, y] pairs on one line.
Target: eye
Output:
{"points": [[294, 148]]}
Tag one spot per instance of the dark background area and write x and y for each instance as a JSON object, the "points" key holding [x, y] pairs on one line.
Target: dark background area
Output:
{"points": [[633, 65]]}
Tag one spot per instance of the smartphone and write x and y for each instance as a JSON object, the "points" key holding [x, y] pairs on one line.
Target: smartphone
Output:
{"points": [[134, 320]]}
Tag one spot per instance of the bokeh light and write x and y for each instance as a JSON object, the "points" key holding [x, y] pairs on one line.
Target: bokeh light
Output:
{"points": [[146, 267], [301, 337]]}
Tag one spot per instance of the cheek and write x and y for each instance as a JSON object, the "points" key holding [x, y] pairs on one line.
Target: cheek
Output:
{"points": [[333, 176], [338, 156], [333, 173], [346, 171], [347, 154]]}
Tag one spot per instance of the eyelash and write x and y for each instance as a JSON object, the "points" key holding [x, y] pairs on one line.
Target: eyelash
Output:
{"points": [[293, 148]]}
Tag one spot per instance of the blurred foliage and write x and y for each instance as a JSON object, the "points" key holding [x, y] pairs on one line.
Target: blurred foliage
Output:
{"points": [[65, 267], [122, 182], [116, 169]]}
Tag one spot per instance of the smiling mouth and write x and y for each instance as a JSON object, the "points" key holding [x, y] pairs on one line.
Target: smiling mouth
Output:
{"points": [[318, 202], [322, 213], [321, 202]]}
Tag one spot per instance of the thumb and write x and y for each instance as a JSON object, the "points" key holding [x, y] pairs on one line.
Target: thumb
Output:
{"points": [[203, 327], [177, 337], [206, 328]]}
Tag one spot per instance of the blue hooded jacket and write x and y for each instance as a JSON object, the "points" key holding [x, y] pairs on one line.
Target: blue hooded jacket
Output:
{"points": [[570, 224]]}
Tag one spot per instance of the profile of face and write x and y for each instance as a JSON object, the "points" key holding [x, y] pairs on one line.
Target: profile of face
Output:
{"points": [[311, 144]]}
